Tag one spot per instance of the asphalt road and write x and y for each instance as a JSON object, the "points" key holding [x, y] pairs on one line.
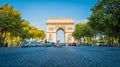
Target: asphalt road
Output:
{"points": [[66, 56]]}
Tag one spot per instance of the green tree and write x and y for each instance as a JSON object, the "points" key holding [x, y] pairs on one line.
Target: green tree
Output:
{"points": [[10, 21], [106, 17], [14, 28], [36, 33], [83, 31]]}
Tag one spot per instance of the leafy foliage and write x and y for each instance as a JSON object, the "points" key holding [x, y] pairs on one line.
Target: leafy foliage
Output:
{"points": [[106, 17], [12, 25], [82, 31]]}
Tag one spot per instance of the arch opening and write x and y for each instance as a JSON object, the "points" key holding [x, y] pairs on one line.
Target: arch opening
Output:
{"points": [[60, 35]]}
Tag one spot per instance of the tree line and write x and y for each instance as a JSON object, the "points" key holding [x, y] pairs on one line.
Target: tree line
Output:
{"points": [[14, 29], [104, 20]]}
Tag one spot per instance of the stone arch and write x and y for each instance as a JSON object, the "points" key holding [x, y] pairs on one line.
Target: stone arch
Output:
{"points": [[65, 24], [63, 30], [60, 28]]}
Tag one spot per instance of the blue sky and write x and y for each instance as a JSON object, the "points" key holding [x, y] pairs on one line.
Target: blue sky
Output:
{"points": [[37, 11]]}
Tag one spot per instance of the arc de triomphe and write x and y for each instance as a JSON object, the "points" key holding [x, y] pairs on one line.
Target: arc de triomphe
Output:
{"points": [[55, 24]]}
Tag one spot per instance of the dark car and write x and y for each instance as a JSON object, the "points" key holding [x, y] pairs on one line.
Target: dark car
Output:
{"points": [[49, 44], [73, 44], [52, 44]]}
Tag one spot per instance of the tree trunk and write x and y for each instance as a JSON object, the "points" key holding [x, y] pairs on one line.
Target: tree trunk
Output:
{"points": [[84, 40], [4, 38]]}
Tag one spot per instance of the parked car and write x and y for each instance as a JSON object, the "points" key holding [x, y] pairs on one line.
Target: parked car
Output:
{"points": [[52, 44], [48, 44], [63, 44], [33, 44], [73, 44], [100, 43], [68, 44], [25, 44], [38, 44]]}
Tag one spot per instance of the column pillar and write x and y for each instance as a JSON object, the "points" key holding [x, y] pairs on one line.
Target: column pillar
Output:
{"points": [[66, 34], [54, 37]]}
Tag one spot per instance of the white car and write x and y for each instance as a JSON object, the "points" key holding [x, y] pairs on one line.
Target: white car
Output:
{"points": [[100, 43], [25, 44], [48, 44], [33, 44], [38, 44]]}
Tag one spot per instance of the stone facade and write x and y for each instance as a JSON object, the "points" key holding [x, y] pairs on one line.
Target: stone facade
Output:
{"points": [[54, 24]]}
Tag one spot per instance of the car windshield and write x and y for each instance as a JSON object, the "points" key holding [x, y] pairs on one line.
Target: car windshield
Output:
{"points": [[32, 42], [38, 42], [25, 42], [48, 42], [52, 43]]}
